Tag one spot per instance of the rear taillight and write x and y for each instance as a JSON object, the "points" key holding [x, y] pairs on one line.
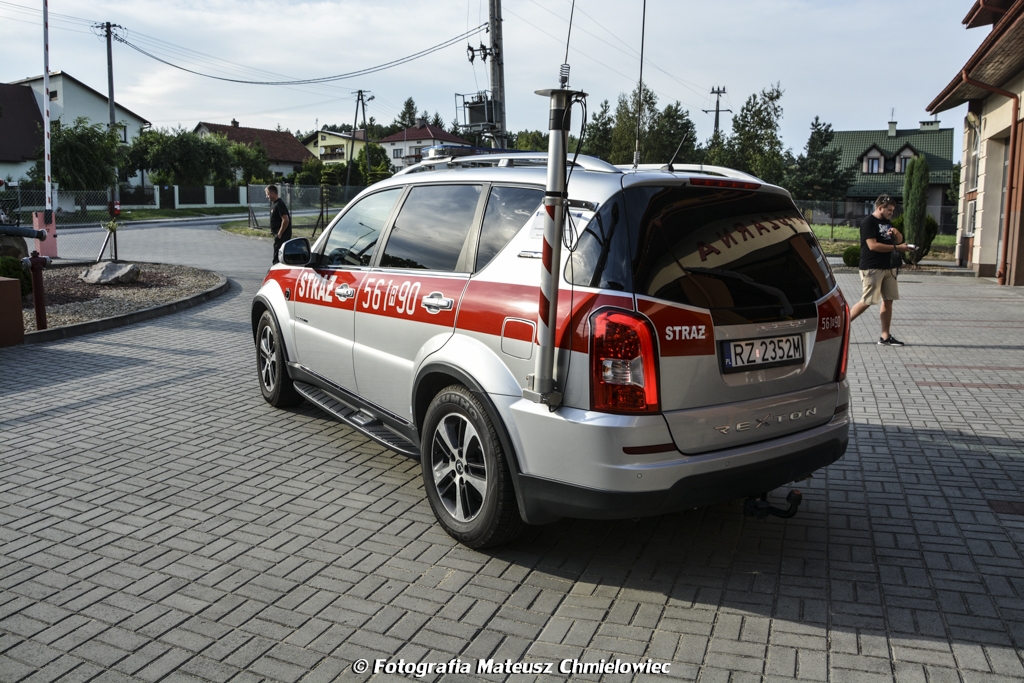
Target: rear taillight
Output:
{"points": [[844, 352], [623, 363]]}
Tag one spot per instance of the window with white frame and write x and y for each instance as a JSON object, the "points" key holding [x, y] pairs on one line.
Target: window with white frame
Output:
{"points": [[973, 155], [874, 165], [396, 153]]}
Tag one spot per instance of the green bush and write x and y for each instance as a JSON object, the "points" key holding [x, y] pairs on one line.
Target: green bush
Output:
{"points": [[11, 267], [851, 256]]}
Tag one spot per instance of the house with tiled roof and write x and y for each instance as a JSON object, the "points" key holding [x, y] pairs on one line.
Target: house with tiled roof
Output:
{"points": [[21, 131], [880, 158], [332, 147], [284, 150], [71, 99], [991, 83], [406, 147]]}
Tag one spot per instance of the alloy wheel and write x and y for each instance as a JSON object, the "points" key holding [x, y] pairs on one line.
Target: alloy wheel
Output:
{"points": [[268, 358], [459, 468]]}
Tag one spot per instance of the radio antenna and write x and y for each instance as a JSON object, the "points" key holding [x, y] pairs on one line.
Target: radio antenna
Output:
{"points": [[563, 71], [640, 91]]}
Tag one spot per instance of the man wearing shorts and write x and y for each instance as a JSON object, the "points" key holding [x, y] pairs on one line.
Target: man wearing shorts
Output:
{"points": [[878, 241]]}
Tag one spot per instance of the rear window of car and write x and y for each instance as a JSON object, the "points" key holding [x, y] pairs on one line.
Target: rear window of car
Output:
{"points": [[746, 256]]}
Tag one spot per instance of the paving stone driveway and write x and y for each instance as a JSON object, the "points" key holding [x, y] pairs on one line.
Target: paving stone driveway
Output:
{"points": [[160, 522]]}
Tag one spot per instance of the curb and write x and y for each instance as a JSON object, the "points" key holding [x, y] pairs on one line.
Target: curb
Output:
{"points": [[947, 273], [116, 321]]}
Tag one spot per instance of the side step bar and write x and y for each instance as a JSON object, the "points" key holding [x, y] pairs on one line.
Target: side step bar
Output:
{"points": [[362, 422]]}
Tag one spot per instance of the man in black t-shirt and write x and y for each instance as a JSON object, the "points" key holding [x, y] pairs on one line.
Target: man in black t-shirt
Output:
{"points": [[280, 220], [878, 241]]}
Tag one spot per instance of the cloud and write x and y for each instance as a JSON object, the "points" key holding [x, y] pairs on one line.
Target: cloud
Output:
{"points": [[848, 62]]}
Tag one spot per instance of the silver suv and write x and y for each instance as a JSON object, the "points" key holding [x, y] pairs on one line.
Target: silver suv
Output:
{"points": [[702, 341]]}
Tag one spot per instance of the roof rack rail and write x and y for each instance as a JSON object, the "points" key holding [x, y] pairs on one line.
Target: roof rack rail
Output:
{"points": [[704, 169], [507, 159]]}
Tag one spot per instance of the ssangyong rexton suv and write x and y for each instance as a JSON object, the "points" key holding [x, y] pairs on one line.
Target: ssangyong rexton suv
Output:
{"points": [[702, 340]]}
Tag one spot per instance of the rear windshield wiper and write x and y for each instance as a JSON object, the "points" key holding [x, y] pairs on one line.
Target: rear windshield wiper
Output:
{"points": [[746, 279]]}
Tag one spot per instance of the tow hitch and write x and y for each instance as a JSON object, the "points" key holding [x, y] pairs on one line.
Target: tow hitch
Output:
{"points": [[761, 508]]}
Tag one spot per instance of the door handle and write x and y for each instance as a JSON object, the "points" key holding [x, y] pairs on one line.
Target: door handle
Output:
{"points": [[435, 302]]}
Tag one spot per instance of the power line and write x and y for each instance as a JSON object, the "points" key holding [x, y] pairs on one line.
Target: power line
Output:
{"points": [[324, 79], [584, 54]]}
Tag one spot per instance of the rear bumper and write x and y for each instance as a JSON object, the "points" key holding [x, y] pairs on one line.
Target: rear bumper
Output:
{"points": [[715, 478]]}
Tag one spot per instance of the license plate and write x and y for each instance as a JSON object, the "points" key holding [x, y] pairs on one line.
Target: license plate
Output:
{"points": [[767, 352]]}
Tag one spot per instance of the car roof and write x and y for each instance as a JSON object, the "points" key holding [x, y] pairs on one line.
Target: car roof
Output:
{"points": [[590, 178]]}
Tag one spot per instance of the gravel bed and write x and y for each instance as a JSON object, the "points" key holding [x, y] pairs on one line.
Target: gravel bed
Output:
{"points": [[70, 301]]}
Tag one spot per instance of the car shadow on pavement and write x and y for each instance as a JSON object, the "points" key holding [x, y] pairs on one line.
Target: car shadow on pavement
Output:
{"points": [[899, 538]]}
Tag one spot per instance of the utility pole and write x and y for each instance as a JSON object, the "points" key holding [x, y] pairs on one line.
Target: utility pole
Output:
{"points": [[717, 92], [352, 147], [110, 100], [497, 72]]}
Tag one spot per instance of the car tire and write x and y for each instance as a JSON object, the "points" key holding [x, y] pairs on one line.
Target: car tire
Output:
{"points": [[466, 477], [277, 387]]}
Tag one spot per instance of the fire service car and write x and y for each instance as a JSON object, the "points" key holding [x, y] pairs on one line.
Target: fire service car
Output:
{"points": [[699, 354]]}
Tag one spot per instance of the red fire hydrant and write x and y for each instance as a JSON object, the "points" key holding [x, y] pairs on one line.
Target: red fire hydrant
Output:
{"points": [[36, 263]]}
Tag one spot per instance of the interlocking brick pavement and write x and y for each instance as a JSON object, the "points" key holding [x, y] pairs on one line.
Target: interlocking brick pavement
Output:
{"points": [[160, 522]]}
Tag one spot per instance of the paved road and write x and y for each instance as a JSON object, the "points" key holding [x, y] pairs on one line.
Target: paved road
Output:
{"points": [[160, 522]]}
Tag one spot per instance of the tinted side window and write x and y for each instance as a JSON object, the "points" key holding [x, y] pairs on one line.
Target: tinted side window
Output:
{"points": [[508, 209], [352, 238], [602, 258], [431, 229]]}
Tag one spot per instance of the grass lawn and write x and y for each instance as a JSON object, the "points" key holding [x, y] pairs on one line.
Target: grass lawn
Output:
{"points": [[150, 214], [242, 228], [852, 235]]}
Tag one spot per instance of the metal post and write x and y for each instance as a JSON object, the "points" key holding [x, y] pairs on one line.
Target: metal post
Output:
{"points": [[832, 220], [541, 384], [497, 73], [35, 264]]}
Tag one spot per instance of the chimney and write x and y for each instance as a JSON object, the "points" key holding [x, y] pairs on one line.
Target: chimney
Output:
{"points": [[892, 129], [929, 126], [234, 123], [420, 122]]}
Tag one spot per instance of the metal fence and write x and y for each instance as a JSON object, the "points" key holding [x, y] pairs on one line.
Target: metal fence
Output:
{"points": [[840, 213], [309, 205]]}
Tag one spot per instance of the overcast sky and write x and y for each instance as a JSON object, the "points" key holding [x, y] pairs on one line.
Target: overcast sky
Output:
{"points": [[848, 61]]}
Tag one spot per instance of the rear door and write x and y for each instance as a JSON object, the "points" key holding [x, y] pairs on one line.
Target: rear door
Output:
{"points": [[744, 305], [325, 296], [407, 304]]}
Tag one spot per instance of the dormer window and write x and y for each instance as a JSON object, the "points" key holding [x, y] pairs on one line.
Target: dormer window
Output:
{"points": [[874, 165]]}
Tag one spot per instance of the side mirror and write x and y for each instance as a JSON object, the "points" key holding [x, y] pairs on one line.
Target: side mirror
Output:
{"points": [[294, 252]]}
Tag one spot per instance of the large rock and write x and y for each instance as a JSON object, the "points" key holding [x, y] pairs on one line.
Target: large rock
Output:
{"points": [[110, 273]]}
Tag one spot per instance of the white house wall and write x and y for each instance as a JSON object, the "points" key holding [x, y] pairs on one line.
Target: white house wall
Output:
{"points": [[10, 170], [995, 130], [990, 179]]}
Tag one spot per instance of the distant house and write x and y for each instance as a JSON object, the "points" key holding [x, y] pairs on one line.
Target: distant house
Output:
{"points": [[21, 131], [880, 158], [332, 147], [284, 150], [70, 99], [405, 147], [991, 184]]}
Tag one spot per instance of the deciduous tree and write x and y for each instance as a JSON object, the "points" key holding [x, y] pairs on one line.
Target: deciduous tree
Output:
{"points": [[83, 156]]}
